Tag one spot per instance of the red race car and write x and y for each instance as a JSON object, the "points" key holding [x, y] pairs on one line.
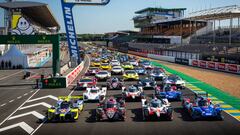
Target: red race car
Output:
{"points": [[86, 82]]}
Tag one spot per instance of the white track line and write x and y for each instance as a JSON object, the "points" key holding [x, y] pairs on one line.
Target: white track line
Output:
{"points": [[3, 105], [18, 107], [10, 75], [68, 95]]}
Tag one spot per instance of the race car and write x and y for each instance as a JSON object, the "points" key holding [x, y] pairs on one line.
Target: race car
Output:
{"points": [[92, 71], [147, 83], [170, 92], [86, 82], [95, 63], [127, 66], [130, 75], [140, 70], [103, 75], [94, 93], [147, 65], [174, 80], [202, 107], [156, 108], [67, 108], [112, 109], [157, 75], [105, 66], [115, 63], [105, 60], [117, 70], [114, 83], [133, 62], [132, 92], [159, 69]]}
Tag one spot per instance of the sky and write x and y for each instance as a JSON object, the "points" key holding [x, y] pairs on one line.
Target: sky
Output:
{"points": [[118, 14]]}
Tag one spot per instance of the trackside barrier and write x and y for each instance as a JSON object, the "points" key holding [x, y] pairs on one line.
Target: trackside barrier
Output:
{"points": [[161, 57], [73, 75], [231, 68], [138, 53]]}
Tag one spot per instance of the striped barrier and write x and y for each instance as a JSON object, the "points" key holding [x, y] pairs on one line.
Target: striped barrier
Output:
{"points": [[74, 74]]}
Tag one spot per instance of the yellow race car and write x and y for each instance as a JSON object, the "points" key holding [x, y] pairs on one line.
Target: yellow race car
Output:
{"points": [[95, 63], [105, 60], [67, 108], [130, 75], [105, 66], [127, 66]]}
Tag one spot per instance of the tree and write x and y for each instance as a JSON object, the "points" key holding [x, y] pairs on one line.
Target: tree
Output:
{"points": [[2, 64], [6, 64], [10, 64]]}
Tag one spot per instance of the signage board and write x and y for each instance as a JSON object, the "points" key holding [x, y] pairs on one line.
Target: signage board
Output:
{"points": [[88, 2]]}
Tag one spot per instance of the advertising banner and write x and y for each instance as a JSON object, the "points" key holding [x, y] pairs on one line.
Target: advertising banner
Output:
{"points": [[88, 2], [232, 68], [70, 31], [211, 65], [203, 64], [195, 63], [222, 66]]}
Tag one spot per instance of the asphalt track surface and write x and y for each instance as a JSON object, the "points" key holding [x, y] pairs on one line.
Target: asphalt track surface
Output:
{"points": [[182, 123]]}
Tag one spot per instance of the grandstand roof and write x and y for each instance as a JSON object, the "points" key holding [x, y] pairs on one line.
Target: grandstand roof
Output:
{"points": [[36, 11], [219, 13], [159, 10]]}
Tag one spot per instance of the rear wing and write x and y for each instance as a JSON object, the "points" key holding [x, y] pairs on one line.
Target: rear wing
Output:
{"points": [[68, 98]]}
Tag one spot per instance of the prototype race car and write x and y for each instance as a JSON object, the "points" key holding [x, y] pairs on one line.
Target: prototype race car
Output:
{"points": [[112, 109], [66, 109], [103, 75], [156, 108], [140, 70], [130, 75], [115, 63], [86, 82], [170, 92], [117, 70], [202, 107], [147, 83], [157, 75], [105, 60], [133, 62], [174, 80], [96, 63], [114, 83], [105, 66], [92, 71], [147, 65], [127, 66], [160, 69], [132, 92], [95, 94]]}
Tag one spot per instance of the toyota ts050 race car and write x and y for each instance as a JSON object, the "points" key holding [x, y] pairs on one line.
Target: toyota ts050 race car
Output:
{"points": [[132, 92], [130, 75], [147, 83], [114, 83], [174, 80], [170, 92], [66, 109], [112, 109], [86, 82], [202, 107], [95, 94], [156, 108]]}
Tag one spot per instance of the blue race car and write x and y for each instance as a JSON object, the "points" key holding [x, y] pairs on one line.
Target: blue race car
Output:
{"points": [[140, 70], [157, 75], [202, 107], [170, 92]]}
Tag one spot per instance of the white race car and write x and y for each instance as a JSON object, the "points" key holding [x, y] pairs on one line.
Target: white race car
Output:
{"points": [[95, 94], [175, 80], [117, 70], [103, 75], [115, 63], [133, 62]]}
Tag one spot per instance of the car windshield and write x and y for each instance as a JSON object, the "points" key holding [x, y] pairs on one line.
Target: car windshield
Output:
{"points": [[93, 91], [145, 80], [130, 72], [102, 73], [156, 104], [93, 68], [202, 103], [126, 64], [117, 68], [114, 80], [146, 63], [64, 105], [173, 78], [132, 89], [104, 64], [86, 80], [132, 61], [156, 72], [138, 68], [110, 105]]}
